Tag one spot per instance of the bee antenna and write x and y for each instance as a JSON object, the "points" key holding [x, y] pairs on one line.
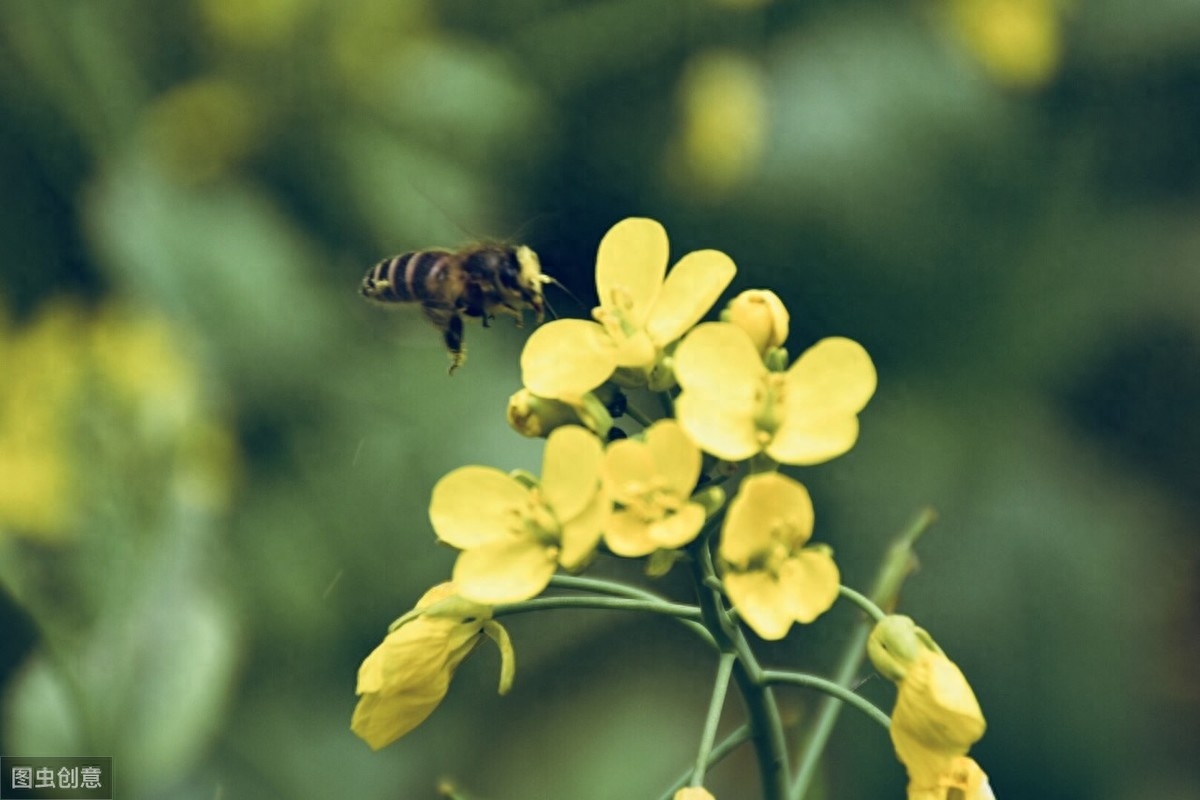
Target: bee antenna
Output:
{"points": [[555, 282]]}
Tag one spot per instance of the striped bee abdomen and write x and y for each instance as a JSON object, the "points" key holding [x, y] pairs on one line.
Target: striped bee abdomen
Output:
{"points": [[418, 276]]}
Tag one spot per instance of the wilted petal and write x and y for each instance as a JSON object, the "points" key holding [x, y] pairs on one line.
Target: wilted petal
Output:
{"points": [[505, 572], [810, 583], [759, 601], [630, 266], [474, 505], [571, 470], [567, 358], [691, 288]]}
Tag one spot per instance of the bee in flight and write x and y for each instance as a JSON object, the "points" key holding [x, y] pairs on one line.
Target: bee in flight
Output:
{"points": [[478, 281]]}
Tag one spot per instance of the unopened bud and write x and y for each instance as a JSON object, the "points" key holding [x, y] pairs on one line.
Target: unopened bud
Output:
{"points": [[895, 643], [761, 314], [533, 416]]}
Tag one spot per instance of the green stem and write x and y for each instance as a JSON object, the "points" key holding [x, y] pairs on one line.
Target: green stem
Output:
{"points": [[765, 727], [862, 601], [727, 745], [897, 564], [667, 403], [830, 688], [605, 603], [637, 416], [618, 589], [715, 707]]}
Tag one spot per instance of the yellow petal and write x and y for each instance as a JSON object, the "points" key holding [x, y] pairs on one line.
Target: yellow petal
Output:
{"points": [[626, 534], [474, 505], [504, 572], [825, 389], [719, 360], [691, 288], [679, 528], [676, 458], [760, 602], [728, 433], [581, 534], [630, 267], [629, 469], [693, 793], [810, 583], [571, 470], [765, 505], [380, 720], [567, 358]]}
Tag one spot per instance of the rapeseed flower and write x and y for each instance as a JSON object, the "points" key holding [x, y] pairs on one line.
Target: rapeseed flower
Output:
{"points": [[405, 678], [772, 579], [734, 407], [642, 310], [513, 535], [936, 718], [652, 481]]}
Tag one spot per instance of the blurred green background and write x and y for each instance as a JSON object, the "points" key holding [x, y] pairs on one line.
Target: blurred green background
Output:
{"points": [[215, 459]]}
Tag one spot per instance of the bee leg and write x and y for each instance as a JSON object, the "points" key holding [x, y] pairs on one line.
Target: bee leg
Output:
{"points": [[453, 336]]}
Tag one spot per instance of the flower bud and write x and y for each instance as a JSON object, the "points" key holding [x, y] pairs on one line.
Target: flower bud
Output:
{"points": [[761, 314], [895, 644], [533, 416]]}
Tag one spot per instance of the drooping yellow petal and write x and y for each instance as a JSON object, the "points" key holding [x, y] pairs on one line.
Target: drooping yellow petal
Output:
{"points": [[760, 601], [810, 583], [630, 267], [571, 470], [581, 534], [676, 458], [567, 358], [628, 535], [507, 571], [691, 288], [474, 505]]}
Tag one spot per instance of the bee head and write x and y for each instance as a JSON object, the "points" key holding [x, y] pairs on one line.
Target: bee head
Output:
{"points": [[531, 279]]}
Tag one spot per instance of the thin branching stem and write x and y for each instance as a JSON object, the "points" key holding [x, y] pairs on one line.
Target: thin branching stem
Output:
{"points": [[732, 742]]}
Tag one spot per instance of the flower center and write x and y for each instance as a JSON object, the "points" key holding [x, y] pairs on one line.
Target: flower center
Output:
{"points": [[654, 501], [769, 406], [539, 521]]}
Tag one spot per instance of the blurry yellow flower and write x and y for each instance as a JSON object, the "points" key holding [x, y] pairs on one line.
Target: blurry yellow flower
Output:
{"points": [[44, 368], [652, 480], [254, 22], [936, 718], [762, 315], [639, 314], [693, 793], [200, 130], [1017, 41], [723, 100], [734, 408], [772, 579], [514, 536], [405, 678]]}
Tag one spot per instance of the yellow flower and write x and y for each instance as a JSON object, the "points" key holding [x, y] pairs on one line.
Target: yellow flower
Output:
{"points": [[734, 407], [653, 481], [964, 780], [405, 678], [513, 536], [1019, 42], [640, 313], [772, 579], [762, 315], [693, 793], [936, 718]]}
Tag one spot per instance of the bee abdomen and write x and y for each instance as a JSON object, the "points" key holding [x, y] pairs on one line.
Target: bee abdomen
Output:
{"points": [[406, 278]]}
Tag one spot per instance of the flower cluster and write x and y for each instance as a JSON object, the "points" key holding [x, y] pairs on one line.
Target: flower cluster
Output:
{"points": [[735, 408]]}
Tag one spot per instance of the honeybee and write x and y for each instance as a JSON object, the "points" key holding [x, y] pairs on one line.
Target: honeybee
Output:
{"points": [[478, 281]]}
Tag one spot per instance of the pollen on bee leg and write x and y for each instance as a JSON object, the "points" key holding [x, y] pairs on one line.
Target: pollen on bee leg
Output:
{"points": [[457, 358]]}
